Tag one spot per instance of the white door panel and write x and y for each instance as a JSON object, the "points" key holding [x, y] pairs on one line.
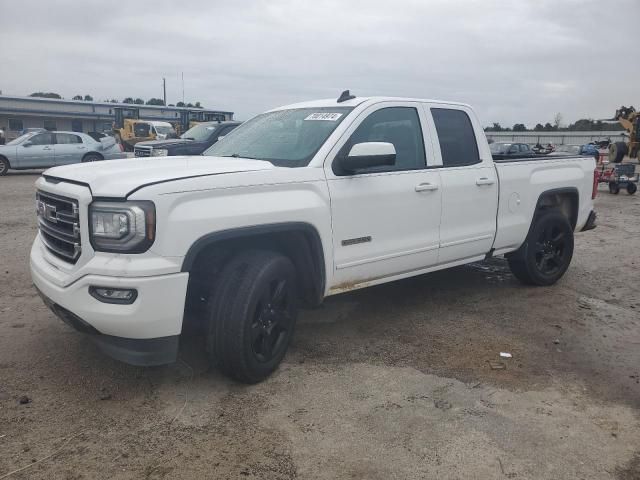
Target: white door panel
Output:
{"points": [[386, 222], [382, 225], [469, 184], [469, 202]]}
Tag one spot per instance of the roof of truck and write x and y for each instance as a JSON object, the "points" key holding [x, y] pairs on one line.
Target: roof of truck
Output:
{"points": [[354, 102]]}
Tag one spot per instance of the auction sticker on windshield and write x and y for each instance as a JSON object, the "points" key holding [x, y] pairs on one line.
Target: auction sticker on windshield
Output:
{"points": [[332, 117]]}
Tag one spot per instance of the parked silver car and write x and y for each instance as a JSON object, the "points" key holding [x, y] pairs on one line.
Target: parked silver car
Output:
{"points": [[49, 149]]}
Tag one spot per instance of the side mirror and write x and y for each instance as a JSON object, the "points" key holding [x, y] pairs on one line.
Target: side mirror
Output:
{"points": [[28, 143], [367, 155]]}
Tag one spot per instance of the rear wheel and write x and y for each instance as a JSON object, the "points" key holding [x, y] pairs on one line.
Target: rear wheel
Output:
{"points": [[547, 251], [631, 188], [614, 188], [617, 151], [91, 157], [252, 315], [4, 166]]}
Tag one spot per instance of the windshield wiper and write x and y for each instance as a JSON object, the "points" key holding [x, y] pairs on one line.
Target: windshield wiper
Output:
{"points": [[237, 155]]}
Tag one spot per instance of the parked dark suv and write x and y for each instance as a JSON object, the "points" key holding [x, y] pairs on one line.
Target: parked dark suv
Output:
{"points": [[192, 142]]}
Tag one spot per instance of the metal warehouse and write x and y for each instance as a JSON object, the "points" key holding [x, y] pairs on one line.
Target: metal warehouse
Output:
{"points": [[18, 113]]}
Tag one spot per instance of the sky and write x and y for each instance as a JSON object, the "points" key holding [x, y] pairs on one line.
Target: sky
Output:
{"points": [[516, 61]]}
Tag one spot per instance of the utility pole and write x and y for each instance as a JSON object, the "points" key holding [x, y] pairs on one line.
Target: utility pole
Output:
{"points": [[182, 87], [164, 90]]}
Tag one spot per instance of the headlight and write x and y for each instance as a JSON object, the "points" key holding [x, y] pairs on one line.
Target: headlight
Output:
{"points": [[122, 227], [160, 152]]}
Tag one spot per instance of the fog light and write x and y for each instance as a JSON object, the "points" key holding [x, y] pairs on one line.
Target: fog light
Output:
{"points": [[124, 296]]}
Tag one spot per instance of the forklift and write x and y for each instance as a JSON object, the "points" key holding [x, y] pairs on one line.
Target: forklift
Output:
{"points": [[128, 129], [629, 118]]}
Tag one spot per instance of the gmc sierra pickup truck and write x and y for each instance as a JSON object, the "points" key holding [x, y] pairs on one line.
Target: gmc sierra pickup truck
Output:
{"points": [[299, 203]]}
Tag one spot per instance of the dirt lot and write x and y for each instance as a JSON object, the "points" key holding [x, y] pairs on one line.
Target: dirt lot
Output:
{"points": [[389, 382]]}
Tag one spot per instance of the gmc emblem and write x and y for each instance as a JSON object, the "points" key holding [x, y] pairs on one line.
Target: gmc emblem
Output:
{"points": [[46, 211]]}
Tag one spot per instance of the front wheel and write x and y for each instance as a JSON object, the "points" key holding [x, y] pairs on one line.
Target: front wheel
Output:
{"points": [[631, 188], [547, 251], [4, 166], [614, 188], [252, 315]]}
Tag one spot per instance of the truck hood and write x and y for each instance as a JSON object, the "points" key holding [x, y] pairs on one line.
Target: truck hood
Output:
{"points": [[118, 178]]}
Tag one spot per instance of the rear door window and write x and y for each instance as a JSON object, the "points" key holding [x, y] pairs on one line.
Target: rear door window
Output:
{"points": [[457, 138], [67, 138]]}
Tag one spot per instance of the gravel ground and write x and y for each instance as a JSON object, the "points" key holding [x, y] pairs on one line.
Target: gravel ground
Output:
{"points": [[394, 381]]}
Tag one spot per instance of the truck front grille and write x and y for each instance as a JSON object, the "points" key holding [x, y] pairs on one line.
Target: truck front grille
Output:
{"points": [[59, 224], [141, 152]]}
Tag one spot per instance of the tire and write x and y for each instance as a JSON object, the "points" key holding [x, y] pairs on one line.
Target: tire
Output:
{"points": [[252, 315], [617, 151], [4, 166], [631, 188], [91, 157], [614, 188], [546, 254]]}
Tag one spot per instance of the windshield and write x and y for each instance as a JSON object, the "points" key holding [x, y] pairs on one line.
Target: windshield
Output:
{"points": [[499, 147], [21, 138], [573, 149], [199, 133], [286, 138], [163, 130]]}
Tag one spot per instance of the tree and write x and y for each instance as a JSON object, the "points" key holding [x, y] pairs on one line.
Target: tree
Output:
{"points": [[78, 97], [180, 104], [538, 127], [88, 98], [45, 95], [557, 120], [138, 101], [197, 105], [113, 100], [128, 100], [548, 127], [519, 127], [190, 105], [155, 101]]}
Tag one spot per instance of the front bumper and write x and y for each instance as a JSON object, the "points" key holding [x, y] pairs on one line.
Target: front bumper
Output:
{"points": [[134, 351], [144, 332]]}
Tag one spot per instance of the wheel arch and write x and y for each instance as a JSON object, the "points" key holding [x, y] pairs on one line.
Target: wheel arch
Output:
{"points": [[299, 241], [565, 199], [4, 157]]}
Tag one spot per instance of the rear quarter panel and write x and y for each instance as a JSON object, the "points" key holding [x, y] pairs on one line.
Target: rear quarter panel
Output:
{"points": [[523, 182]]}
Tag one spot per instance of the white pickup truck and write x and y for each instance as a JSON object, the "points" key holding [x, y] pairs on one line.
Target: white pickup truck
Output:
{"points": [[299, 203]]}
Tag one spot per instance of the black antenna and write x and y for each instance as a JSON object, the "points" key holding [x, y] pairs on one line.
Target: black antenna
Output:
{"points": [[344, 96]]}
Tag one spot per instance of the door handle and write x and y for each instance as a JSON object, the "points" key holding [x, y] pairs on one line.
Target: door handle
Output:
{"points": [[485, 181], [46, 148], [426, 187]]}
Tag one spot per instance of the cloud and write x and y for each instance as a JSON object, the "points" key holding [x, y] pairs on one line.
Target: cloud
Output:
{"points": [[514, 61]]}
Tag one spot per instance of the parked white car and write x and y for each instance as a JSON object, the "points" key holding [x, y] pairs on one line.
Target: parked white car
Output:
{"points": [[44, 149], [300, 202]]}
